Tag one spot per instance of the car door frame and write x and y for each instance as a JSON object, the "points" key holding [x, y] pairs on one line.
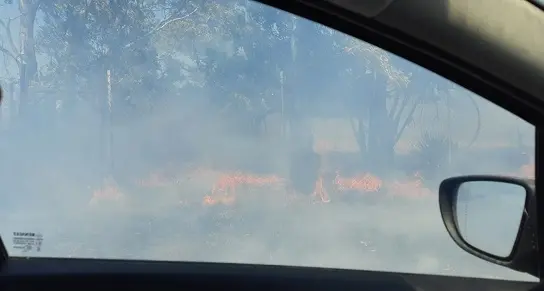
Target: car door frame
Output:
{"points": [[521, 103], [412, 49]]}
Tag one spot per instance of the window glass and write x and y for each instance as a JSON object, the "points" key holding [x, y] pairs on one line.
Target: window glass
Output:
{"points": [[229, 131]]}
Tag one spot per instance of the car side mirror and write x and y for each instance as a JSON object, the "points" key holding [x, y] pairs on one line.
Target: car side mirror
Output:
{"points": [[492, 218]]}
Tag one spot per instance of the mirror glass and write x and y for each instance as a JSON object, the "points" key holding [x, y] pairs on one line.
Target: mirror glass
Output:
{"points": [[489, 215]]}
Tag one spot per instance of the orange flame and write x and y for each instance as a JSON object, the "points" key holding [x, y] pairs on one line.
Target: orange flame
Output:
{"points": [[108, 193], [224, 189], [320, 191], [363, 183], [224, 199], [411, 188], [227, 184]]}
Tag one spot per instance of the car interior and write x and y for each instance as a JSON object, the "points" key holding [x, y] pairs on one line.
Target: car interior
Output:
{"points": [[493, 48]]}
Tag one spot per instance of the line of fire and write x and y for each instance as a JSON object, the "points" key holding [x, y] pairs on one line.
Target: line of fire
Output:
{"points": [[315, 176]]}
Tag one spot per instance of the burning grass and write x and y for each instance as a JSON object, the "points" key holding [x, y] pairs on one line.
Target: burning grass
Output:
{"points": [[204, 188], [230, 188], [207, 215]]}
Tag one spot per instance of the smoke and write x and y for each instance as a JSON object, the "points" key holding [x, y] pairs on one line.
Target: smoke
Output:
{"points": [[53, 163], [49, 177]]}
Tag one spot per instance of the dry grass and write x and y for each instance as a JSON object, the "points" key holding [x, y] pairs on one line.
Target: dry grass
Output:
{"points": [[378, 232], [391, 230]]}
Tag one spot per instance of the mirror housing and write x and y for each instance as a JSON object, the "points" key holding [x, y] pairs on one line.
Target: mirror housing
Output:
{"points": [[523, 256]]}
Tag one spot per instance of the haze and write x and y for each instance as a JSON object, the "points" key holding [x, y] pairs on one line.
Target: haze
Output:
{"points": [[187, 80]]}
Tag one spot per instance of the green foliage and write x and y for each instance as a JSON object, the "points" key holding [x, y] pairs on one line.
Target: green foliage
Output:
{"points": [[85, 39], [246, 48], [241, 55]]}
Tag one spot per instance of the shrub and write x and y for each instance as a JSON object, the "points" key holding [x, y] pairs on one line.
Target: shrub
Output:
{"points": [[431, 155]]}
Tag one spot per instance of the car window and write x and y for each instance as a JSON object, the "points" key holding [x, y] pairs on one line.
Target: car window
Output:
{"points": [[229, 131]]}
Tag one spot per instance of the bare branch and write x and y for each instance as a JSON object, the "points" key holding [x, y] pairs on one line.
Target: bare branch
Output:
{"points": [[163, 25], [7, 28], [9, 54]]}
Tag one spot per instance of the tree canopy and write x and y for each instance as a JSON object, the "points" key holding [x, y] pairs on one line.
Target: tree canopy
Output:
{"points": [[245, 59]]}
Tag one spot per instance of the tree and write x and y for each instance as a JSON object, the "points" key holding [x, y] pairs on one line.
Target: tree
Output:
{"points": [[100, 53], [86, 39], [394, 96], [24, 54], [241, 71], [387, 107]]}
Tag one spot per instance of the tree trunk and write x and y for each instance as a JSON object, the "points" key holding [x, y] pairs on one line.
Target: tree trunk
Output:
{"points": [[381, 133], [28, 67], [357, 125]]}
